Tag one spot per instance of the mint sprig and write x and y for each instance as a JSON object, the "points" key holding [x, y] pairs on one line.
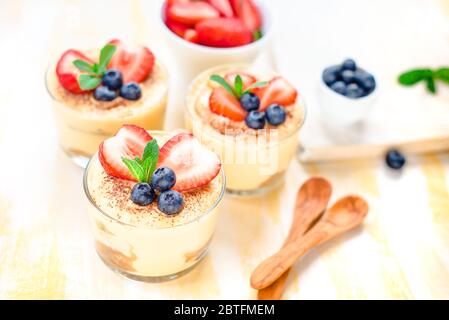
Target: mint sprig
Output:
{"points": [[429, 76], [143, 168], [94, 72], [237, 90]]}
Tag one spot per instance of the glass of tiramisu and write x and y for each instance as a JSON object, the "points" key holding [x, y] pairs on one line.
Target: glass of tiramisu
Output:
{"points": [[251, 120], [153, 202], [95, 92]]}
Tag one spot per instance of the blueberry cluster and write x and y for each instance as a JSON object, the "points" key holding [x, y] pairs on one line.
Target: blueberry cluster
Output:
{"points": [[112, 86], [163, 179], [349, 80], [274, 114]]}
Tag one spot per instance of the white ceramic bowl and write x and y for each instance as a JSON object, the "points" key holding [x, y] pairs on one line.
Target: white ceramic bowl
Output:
{"points": [[338, 110], [195, 58]]}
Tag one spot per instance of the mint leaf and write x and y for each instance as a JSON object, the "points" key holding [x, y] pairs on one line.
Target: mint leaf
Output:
{"points": [[149, 158], [149, 167], [442, 74], [238, 86], [105, 57], [430, 84], [223, 83], [257, 35], [256, 85], [88, 82], [414, 76], [135, 169], [95, 68], [83, 66]]}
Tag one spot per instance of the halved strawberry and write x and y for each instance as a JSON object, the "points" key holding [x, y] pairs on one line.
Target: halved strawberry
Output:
{"points": [[129, 142], [176, 27], [247, 11], [223, 33], [223, 103], [135, 65], [246, 78], [278, 91], [191, 35], [67, 73], [194, 165], [223, 6], [192, 12]]}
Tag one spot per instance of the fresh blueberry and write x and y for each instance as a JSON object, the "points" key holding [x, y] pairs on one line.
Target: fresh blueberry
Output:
{"points": [[365, 80], [255, 120], [103, 93], [170, 202], [142, 194], [395, 159], [339, 87], [275, 114], [130, 91], [349, 64], [112, 79], [249, 101], [163, 179], [347, 76], [353, 91], [331, 74]]}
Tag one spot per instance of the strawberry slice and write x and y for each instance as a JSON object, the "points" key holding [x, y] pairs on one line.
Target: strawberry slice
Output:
{"points": [[247, 11], [129, 142], [191, 35], [194, 165], [223, 33], [135, 65], [176, 27], [223, 103], [192, 12], [277, 91], [67, 73], [223, 6], [247, 79]]}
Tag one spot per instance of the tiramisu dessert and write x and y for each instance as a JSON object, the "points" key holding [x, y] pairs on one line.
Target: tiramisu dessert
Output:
{"points": [[251, 120], [96, 92], [154, 198]]}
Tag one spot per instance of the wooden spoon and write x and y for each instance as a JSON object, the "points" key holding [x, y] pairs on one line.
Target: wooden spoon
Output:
{"points": [[344, 215], [311, 201]]}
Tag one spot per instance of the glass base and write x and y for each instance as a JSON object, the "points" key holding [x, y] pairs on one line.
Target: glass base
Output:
{"points": [[151, 279], [275, 182], [79, 159]]}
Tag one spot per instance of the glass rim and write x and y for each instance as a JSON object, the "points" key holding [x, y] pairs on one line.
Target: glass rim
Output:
{"points": [[301, 103], [204, 214]]}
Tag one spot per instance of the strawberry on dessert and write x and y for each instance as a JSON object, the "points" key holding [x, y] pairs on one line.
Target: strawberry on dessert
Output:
{"points": [[68, 73], [240, 97], [108, 78], [218, 23], [128, 143], [277, 91], [134, 64], [182, 164]]}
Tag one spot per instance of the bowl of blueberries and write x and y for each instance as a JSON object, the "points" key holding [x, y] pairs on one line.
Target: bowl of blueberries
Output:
{"points": [[346, 93]]}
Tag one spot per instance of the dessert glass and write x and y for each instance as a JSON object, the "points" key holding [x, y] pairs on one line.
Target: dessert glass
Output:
{"points": [[252, 164], [151, 253], [82, 128]]}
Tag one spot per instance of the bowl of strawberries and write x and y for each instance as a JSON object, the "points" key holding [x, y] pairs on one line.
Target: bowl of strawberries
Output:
{"points": [[204, 33]]}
